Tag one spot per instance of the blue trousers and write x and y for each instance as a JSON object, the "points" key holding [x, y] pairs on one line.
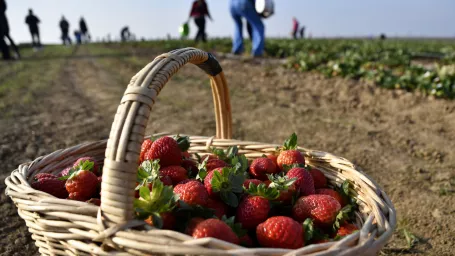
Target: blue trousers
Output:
{"points": [[245, 9]]}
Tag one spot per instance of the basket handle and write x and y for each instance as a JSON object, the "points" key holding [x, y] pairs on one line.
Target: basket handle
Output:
{"points": [[128, 128]]}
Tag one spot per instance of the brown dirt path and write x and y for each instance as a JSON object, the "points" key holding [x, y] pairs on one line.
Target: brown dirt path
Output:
{"points": [[403, 140]]}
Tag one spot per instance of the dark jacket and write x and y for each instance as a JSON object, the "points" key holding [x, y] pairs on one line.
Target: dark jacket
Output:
{"points": [[4, 28]]}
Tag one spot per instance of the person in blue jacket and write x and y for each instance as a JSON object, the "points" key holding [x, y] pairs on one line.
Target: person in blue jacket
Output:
{"points": [[246, 9]]}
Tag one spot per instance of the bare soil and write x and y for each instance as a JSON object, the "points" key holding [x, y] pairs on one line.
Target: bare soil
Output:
{"points": [[403, 140]]}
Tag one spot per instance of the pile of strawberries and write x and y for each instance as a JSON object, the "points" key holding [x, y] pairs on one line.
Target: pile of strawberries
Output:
{"points": [[274, 201]]}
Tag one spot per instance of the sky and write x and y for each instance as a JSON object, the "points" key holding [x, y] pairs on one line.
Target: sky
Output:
{"points": [[152, 19]]}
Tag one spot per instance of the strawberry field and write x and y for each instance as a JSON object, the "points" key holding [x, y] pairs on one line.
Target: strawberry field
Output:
{"points": [[335, 94]]}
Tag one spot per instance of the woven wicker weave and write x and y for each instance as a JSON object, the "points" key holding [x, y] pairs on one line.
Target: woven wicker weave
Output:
{"points": [[65, 227]]}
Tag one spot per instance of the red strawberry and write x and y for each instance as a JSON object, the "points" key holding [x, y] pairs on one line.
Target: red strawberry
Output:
{"points": [[186, 155], [260, 167], [95, 201], [332, 193], [192, 224], [146, 145], [323, 209], [190, 166], [320, 181], [289, 154], [224, 184], [304, 181], [82, 183], [346, 229], [167, 218], [95, 169], [167, 150], [212, 164], [280, 232], [290, 157], [246, 241], [219, 207], [247, 182], [217, 229], [252, 210], [50, 184], [65, 172], [176, 173], [255, 207], [192, 192], [274, 159]]}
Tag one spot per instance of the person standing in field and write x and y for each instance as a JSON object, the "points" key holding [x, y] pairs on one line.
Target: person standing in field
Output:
{"points": [[295, 27], [32, 21], [84, 30], [4, 32], [125, 34], [65, 27], [198, 12], [302, 32], [246, 9]]}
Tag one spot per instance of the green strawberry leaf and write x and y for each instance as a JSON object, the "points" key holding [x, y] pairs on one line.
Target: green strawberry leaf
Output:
{"points": [[261, 190], [343, 216], [86, 165], [191, 211], [219, 153], [236, 227], [229, 198], [144, 192], [157, 220], [308, 227], [202, 170], [183, 142], [198, 157], [290, 143], [280, 182], [232, 152]]}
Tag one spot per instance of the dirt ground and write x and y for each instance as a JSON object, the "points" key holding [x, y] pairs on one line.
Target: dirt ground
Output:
{"points": [[405, 141]]}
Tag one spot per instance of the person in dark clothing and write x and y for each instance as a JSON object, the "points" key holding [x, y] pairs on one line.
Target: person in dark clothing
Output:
{"points": [[65, 27], [295, 27], [32, 21], [4, 32], [84, 30], [198, 12], [250, 30], [302, 32], [125, 34]]}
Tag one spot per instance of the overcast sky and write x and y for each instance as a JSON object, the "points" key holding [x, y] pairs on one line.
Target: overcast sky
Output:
{"points": [[155, 19]]}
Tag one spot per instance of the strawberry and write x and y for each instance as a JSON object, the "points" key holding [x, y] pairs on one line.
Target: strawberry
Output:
{"points": [[289, 155], [190, 166], [156, 203], [285, 185], [146, 145], [167, 150], [246, 241], [320, 181], [332, 193], [95, 169], [217, 229], [50, 184], [274, 159], [192, 223], [346, 229], [167, 218], [260, 167], [255, 207], [207, 157], [65, 172], [81, 183], [95, 201], [323, 209], [192, 192], [219, 207], [212, 164], [176, 173], [224, 183], [304, 181], [246, 183], [280, 232], [186, 155]]}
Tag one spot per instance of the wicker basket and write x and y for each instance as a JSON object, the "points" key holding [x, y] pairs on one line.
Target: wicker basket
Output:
{"points": [[66, 227]]}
